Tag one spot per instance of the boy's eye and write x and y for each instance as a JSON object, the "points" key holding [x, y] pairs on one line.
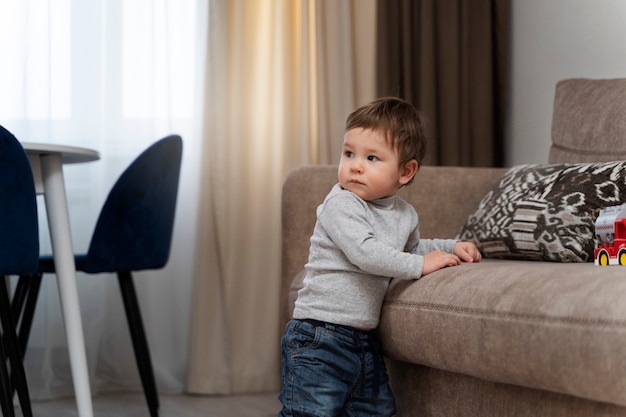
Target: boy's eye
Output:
{"points": [[349, 154], [372, 158]]}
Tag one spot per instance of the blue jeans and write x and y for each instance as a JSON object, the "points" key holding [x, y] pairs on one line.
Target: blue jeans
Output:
{"points": [[333, 371]]}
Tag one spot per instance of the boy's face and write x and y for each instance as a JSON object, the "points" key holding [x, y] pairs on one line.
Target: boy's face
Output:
{"points": [[369, 165]]}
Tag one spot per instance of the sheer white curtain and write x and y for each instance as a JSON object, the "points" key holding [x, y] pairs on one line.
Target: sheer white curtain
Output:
{"points": [[114, 76], [282, 76]]}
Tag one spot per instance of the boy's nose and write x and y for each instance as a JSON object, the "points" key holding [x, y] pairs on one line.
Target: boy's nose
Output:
{"points": [[356, 167]]}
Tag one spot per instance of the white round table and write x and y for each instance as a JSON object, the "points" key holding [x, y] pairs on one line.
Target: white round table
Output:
{"points": [[46, 162]]}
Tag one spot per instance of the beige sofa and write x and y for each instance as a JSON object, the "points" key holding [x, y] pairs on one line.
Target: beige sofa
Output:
{"points": [[501, 337]]}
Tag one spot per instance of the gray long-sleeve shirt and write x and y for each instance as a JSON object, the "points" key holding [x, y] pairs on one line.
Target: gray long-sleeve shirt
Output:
{"points": [[356, 248]]}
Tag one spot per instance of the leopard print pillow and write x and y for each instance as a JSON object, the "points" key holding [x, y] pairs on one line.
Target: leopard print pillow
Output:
{"points": [[546, 212]]}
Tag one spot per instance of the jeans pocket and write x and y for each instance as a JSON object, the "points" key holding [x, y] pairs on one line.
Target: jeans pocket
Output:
{"points": [[301, 336]]}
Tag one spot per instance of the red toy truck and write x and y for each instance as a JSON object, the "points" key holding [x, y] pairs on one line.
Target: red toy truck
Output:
{"points": [[611, 235]]}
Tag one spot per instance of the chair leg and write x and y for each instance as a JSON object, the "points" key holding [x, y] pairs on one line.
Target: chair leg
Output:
{"points": [[140, 344], [19, 296], [24, 303], [6, 394], [18, 376]]}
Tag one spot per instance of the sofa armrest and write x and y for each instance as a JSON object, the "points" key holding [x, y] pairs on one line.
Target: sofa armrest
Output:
{"points": [[303, 190]]}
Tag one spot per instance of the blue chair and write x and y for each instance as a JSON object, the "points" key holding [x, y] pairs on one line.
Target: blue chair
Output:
{"points": [[19, 254], [133, 233]]}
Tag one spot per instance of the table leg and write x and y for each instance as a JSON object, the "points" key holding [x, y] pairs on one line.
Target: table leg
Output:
{"points": [[62, 249]]}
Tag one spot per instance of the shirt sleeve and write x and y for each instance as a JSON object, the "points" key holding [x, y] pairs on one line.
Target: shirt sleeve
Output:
{"points": [[428, 245]]}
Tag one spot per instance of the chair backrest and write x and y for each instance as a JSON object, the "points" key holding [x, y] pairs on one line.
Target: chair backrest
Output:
{"points": [[134, 229], [19, 230]]}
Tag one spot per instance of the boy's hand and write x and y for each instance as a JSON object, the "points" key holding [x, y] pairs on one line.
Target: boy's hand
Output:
{"points": [[463, 252], [437, 259], [467, 252]]}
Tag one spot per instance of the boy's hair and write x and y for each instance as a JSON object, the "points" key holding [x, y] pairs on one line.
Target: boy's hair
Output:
{"points": [[399, 121]]}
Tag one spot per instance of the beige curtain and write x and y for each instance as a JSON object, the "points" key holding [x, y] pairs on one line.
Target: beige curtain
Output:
{"points": [[281, 78]]}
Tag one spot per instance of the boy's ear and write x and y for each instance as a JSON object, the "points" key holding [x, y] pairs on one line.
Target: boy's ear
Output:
{"points": [[408, 171]]}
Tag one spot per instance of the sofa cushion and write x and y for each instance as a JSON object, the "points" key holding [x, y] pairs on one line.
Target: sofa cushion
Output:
{"points": [[554, 326], [546, 212]]}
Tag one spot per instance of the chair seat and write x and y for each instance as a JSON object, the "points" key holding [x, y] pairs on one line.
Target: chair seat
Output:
{"points": [[46, 263]]}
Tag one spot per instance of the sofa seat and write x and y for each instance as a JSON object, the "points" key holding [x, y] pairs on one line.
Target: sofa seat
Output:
{"points": [[552, 326]]}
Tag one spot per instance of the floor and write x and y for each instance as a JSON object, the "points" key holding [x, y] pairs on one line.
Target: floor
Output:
{"points": [[134, 405]]}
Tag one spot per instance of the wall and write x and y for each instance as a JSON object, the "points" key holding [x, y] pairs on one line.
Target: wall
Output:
{"points": [[553, 40]]}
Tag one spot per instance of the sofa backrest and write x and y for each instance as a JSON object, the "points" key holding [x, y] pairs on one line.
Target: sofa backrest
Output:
{"points": [[589, 121]]}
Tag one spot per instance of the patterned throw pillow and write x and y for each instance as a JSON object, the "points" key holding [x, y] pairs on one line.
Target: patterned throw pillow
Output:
{"points": [[546, 212]]}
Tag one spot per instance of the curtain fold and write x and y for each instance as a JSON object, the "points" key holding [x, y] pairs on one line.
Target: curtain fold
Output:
{"points": [[450, 59], [282, 76]]}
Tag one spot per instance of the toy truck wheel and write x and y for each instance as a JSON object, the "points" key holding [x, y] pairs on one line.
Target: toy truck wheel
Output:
{"points": [[603, 258], [622, 257]]}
